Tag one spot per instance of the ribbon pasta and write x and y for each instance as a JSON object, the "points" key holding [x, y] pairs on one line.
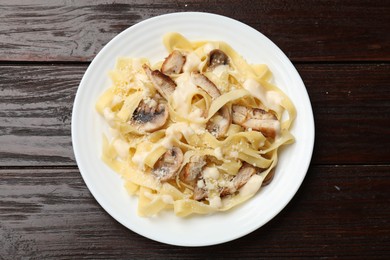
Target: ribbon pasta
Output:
{"points": [[197, 133]]}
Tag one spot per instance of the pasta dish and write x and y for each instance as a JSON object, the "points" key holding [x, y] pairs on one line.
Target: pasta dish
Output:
{"points": [[198, 132]]}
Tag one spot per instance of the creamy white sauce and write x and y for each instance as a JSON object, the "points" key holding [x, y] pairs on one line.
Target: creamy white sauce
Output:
{"points": [[215, 202], [270, 99], [218, 153], [223, 121], [167, 199], [200, 184], [116, 100], [181, 94], [150, 102], [210, 173], [192, 62], [210, 184], [222, 183], [109, 115], [199, 129], [195, 114], [177, 130], [122, 148], [252, 186]]}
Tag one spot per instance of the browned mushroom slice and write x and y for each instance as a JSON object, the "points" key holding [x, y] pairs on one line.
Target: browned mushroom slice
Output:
{"points": [[219, 124], [204, 83], [256, 119], [168, 165], [216, 58], [174, 63], [244, 174], [192, 170], [150, 116], [267, 180], [163, 83]]}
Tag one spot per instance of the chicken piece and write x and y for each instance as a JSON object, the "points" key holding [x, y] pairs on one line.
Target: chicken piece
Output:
{"points": [[169, 164], [163, 83], [174, 63], [256, 119], [244, 174], [192, 170], [204, 83]]}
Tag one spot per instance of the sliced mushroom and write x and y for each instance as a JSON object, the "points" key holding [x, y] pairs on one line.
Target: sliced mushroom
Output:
{"points": [[150, 116], [204, 83], [163, 83], [174, 63], [192, 170], [219, 124], [244, 174], [256, 119], [216, 58], [267, 180], [169, 164]]}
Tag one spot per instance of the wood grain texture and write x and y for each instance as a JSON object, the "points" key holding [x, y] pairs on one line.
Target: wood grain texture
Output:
{"points": [[35, 114], [340, 48], [351, 104], [306, 30], [338, 212]]}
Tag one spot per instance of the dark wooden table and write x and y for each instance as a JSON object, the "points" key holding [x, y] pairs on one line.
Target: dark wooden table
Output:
{"points": [[340, 48]]}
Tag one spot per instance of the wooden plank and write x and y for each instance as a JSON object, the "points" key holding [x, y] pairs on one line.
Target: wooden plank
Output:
{"points": [[35, 114], [306, 30], [351, 104], [340, 211]]}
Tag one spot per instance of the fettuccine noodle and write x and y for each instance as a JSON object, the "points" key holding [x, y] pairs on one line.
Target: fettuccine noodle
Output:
{"points": [[196, 133]]}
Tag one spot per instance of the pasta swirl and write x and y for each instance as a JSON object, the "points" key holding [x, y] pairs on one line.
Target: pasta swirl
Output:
{"points": [[198, 132]]}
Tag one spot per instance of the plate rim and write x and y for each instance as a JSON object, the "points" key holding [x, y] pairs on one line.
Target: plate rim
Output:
{"points": [[74, 123]]}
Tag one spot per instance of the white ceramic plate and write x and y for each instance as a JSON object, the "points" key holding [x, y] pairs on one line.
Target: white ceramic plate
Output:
{"points": [[145, 40]]}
